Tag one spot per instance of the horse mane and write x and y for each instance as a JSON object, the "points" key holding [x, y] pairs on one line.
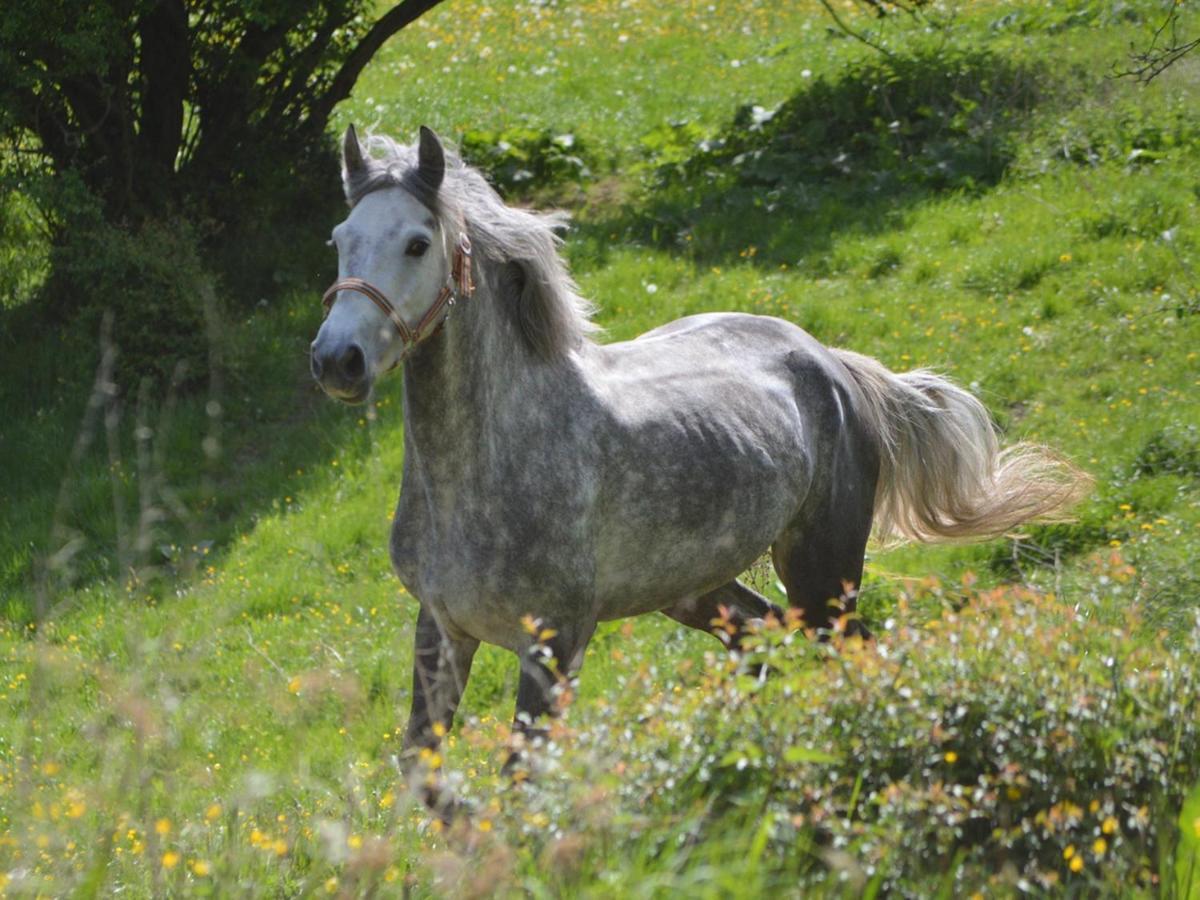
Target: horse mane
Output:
{"points": [[516, 250]]}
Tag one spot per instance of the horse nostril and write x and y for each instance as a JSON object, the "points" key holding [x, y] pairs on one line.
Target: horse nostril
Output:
{"points": [[352, 363], [314, 363]]}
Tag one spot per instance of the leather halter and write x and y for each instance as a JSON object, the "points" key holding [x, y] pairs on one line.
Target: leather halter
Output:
{"points": [[459, 286]]}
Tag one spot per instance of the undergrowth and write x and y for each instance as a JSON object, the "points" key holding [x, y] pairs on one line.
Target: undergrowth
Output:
{"points": [[1009, 744]]}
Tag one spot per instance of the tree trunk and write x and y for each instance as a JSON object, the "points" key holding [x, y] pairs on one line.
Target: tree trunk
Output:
{"points": [[165, 68]]}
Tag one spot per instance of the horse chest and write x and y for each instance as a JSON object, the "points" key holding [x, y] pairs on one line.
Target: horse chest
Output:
{"points": [[484, 570]]}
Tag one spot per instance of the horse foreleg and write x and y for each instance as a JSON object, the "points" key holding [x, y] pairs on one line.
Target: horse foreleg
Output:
{"points": [[441, 666], [547, 668]]}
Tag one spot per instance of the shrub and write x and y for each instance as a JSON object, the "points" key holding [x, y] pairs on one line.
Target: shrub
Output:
{"points": [[523, 161], [936, 120], [1016, 744], [151, 279]]}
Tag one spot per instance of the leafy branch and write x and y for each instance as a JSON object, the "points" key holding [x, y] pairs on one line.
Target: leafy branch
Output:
{"points": [[1166, 48]]}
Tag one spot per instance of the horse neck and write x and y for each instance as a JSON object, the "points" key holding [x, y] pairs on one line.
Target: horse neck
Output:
{"points": [[459, 385]]}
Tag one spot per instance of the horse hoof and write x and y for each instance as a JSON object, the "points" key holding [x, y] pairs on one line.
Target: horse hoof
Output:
{"points": [[445, 804]]}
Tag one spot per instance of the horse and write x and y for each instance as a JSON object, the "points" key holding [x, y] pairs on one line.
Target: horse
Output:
{"points": [[551, 482]]}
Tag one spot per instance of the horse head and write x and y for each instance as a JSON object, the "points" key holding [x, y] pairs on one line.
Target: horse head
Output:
{"points": [[398, 267]]}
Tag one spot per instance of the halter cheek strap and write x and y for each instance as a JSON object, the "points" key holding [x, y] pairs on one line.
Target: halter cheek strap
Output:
{"points": [[459, 286]]}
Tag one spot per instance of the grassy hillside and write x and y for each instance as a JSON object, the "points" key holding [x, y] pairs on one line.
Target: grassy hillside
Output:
{"points": [[204, 656]]}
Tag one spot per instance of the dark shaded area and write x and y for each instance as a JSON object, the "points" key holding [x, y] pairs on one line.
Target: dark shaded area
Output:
{"points": [[150, 274], [1047, 546], [150, 482], [1175, 450], [848, 153]]}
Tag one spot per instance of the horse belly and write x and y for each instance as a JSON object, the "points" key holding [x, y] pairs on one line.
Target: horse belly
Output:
{"points": [[684, 523]]}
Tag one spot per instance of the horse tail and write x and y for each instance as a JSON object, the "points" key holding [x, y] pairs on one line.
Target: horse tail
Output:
{"points": [[943, 474]]}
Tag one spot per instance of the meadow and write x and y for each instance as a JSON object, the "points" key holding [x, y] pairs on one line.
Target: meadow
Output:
{"points": [[204, 655]]}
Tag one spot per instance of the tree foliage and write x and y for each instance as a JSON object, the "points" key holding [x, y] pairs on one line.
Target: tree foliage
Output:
{"points": [[153, 101]]}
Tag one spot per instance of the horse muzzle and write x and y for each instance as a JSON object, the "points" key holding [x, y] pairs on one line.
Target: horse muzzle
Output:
{"points": [[341, 370]]}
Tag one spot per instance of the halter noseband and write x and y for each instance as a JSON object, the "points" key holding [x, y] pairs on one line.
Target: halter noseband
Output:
{"points": [[459, 286]]}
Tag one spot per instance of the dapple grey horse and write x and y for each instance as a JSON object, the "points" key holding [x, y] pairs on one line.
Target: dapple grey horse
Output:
{"points": [[550, 476]]}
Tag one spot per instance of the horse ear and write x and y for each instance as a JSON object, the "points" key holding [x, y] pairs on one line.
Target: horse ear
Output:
{"points": [[431, 159], [352, 154]]}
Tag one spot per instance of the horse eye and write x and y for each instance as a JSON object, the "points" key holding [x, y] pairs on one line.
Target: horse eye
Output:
{"points": [[417, 247]]}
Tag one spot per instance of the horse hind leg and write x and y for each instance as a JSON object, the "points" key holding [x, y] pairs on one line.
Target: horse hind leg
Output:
{"points": [[820, 563], [726, 612]]}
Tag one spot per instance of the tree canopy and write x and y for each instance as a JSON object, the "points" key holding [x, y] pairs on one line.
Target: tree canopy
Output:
{"points": [[151, 100]]}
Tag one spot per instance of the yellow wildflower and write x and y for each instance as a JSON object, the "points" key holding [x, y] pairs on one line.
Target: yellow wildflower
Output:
{"points": [[170, 859]]}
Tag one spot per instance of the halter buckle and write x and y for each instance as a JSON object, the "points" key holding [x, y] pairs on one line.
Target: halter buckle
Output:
{"points": [[460, 270]]}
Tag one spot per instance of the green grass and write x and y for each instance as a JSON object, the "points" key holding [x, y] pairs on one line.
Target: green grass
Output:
{"points": [[239, 680]]}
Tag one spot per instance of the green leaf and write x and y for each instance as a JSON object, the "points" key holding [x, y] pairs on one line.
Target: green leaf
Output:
{"points": [[809, 755]]}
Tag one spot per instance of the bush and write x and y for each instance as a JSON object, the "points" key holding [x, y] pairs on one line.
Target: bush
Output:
{"points": [[1014, 745], [936, 120], [152, 270], [1175, 450], [152, 281], [524, 161]]}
